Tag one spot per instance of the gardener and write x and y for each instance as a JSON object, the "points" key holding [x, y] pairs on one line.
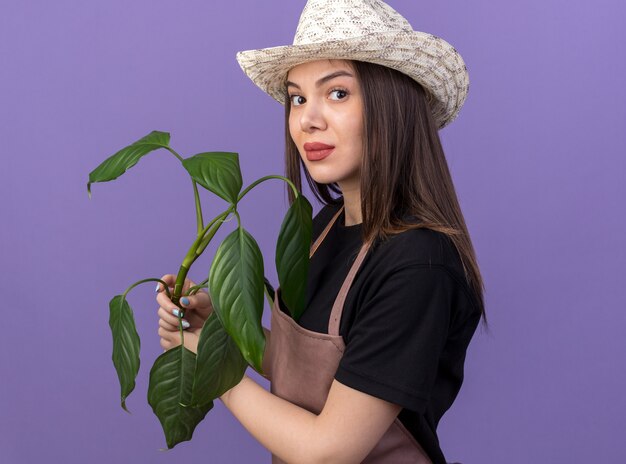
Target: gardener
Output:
{"points": [[394, 291]]}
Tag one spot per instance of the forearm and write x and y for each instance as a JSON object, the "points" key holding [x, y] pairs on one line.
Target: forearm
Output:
{"points": [[266, 365], [286, 430]]}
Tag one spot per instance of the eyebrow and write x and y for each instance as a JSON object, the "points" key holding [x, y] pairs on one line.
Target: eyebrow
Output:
{"points": [[323, 79]]}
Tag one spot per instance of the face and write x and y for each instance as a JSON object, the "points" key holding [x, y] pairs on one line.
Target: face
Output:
{"points": [[327, 110]]}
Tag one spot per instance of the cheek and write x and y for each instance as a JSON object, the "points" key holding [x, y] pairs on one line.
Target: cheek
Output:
{"points": [[355, 130], [292, 124], [294, 134]]}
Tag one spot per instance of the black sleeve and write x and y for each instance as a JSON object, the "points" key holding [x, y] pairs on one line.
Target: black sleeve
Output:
{"points": [[394, 344]]}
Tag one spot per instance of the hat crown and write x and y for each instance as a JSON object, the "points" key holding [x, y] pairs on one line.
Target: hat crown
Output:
{"points": [[327, 20], [368, 31]]}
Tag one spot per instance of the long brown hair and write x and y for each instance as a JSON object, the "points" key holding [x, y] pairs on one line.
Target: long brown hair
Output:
{"points": [[415, 181]]}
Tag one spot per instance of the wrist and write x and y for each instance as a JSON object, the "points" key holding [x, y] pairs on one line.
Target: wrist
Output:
{"points": [[226, 395]]}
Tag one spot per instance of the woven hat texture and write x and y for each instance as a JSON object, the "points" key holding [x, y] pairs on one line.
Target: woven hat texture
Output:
{"points": [[371, 31]]}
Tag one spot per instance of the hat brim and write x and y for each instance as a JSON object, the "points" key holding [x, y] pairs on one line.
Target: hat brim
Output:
{"points": [[428, 59]]}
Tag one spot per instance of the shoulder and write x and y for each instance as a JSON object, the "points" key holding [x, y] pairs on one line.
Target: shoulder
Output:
{"points": [[416, 247], [423, 255]]}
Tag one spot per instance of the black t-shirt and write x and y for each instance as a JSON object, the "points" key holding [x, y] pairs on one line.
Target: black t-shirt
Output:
{"points": [[407, 319]]}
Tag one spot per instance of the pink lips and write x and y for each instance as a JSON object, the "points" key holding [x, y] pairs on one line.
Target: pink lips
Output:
{"points": [[316, 151]]}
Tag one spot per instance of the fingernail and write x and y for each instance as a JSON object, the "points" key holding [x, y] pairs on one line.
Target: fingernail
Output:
{"points": [[156, 290], [185, 324], [184, 301], [176, 312]]}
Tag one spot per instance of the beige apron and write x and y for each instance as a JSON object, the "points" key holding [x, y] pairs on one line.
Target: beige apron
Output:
{"points": [[302, 364]]}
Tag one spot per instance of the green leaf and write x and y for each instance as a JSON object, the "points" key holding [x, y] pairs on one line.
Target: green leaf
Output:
{"points": [[117, 164], [219, 364], [217, 172], [171, 379], [236, 290], [292, 255], [125, 345]]}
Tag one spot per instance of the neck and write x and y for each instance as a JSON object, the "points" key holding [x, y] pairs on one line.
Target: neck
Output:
{"points": [[352, 206]]}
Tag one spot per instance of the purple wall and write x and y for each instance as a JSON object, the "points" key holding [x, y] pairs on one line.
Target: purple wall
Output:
{"points": [[537, 155]]}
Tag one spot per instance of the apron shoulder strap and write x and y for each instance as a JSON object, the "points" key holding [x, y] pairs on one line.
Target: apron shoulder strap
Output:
{"points": [[324, 232], [335, 315]]}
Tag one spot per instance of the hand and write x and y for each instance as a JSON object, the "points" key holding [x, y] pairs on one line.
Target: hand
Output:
{"points": [[195, 313]]}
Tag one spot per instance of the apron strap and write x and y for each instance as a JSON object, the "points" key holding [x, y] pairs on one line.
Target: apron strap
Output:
{"points": [[324, 232], [335, 315]]}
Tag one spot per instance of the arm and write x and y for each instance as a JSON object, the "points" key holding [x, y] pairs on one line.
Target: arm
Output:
{"points": [[406, 319], [346, 430]]}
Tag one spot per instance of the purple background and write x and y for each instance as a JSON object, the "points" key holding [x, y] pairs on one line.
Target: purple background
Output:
{"points": [[537, 156]]}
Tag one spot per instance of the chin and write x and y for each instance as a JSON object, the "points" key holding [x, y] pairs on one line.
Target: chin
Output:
{"points": [[320, 178], [330, 176]]}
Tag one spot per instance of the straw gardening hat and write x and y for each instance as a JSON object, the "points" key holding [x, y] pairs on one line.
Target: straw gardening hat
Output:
{"points": [[371, 31]]}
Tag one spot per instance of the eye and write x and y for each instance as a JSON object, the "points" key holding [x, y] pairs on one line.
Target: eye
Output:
{"points": [[295, 97], [341, 91]]}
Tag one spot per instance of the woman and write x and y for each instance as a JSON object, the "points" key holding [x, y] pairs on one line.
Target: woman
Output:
{"points": [[394, 291]]}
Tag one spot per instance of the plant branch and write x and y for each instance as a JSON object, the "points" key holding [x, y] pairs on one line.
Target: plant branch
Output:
{"points": [[171, 150], [193, 290], [167, 290], [199, 220], [263, 179], [200, 242], [218, 221]]}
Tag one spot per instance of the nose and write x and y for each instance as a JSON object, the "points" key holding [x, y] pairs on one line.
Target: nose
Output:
{"points": [[312, 116]]}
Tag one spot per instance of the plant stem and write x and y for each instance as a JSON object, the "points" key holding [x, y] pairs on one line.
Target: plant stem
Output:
{"points": [[193, 290], [203, 240], [193, 254], [180, 281], [263, 179], [171, 150], [212, 231], [167, 290], [199, 220], [181, 330]]}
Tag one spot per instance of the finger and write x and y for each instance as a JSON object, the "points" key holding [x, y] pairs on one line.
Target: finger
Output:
{"points": [[169, 279], [168, 343], [159, 288], [170, 336], [188, 284], [173, 328], [167, 326], [168, 317], [200, 300], [194, 319], [166, 334], [165, 301]]}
